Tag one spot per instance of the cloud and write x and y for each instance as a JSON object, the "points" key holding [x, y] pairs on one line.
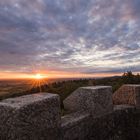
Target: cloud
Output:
{"points": [[76, 35]]}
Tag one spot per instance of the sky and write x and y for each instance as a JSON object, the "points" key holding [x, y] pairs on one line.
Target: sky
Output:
{"points": [[69, 37]]}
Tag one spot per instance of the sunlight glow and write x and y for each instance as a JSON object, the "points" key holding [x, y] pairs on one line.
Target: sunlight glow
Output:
{"points": [[38, 76], [38, 81]]}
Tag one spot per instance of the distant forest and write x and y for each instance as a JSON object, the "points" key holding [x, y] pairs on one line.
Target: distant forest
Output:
{"points": [[64, 88]]}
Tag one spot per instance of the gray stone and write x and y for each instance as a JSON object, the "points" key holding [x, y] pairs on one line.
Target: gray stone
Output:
{"points": [[75, 126], [37, 117], [127, 94], [30, 117], [97, 100]]}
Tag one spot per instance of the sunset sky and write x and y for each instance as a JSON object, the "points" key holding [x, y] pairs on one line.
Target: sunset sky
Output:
{"points": [[69, 38]]}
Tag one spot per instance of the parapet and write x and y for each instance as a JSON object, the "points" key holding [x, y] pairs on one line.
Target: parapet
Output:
{"points": [[30, 117], [97, 100], [127, 94], [92, 116]]}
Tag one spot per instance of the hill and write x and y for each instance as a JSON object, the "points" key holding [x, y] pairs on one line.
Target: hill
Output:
{"points": [[66, 87]]}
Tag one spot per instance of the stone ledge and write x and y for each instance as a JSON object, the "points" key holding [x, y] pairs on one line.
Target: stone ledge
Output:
{"points": [[123, 107], [75, 126], [27, 99], [96, 100], [127, 94], [35, 116], [74, 118]]}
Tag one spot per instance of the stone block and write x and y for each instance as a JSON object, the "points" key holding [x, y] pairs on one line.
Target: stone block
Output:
{"points": [[97, 100], [75, 126], [30, 117], [127, 94]]}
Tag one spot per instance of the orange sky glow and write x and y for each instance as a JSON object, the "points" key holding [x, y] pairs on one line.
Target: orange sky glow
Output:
{"points": [[69, 38], [52, 74]]}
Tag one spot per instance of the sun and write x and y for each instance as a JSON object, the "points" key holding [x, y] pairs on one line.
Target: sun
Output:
{"points": [[38, 81], [38, 76]]}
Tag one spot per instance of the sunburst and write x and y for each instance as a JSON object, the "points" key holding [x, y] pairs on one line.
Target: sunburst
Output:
{"points": [[38, 80]]}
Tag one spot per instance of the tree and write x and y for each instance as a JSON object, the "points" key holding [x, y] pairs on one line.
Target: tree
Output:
{"points": [[128, 77]]}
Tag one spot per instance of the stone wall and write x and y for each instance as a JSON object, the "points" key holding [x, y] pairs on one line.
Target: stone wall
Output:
{"points": [[92, 116], [127, 94]]}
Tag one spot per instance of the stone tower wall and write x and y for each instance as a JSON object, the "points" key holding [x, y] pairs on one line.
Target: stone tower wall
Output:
{"points": [[91, 116]]}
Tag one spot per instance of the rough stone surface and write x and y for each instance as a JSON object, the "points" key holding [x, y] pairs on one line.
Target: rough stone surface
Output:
{"points": [[75, 126], [37, 117], [127, 94], [122, 124], [30, 117], [97, 100]]}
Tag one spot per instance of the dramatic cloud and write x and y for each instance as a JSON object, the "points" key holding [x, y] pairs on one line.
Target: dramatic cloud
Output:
{"points": [[87, 36]]}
